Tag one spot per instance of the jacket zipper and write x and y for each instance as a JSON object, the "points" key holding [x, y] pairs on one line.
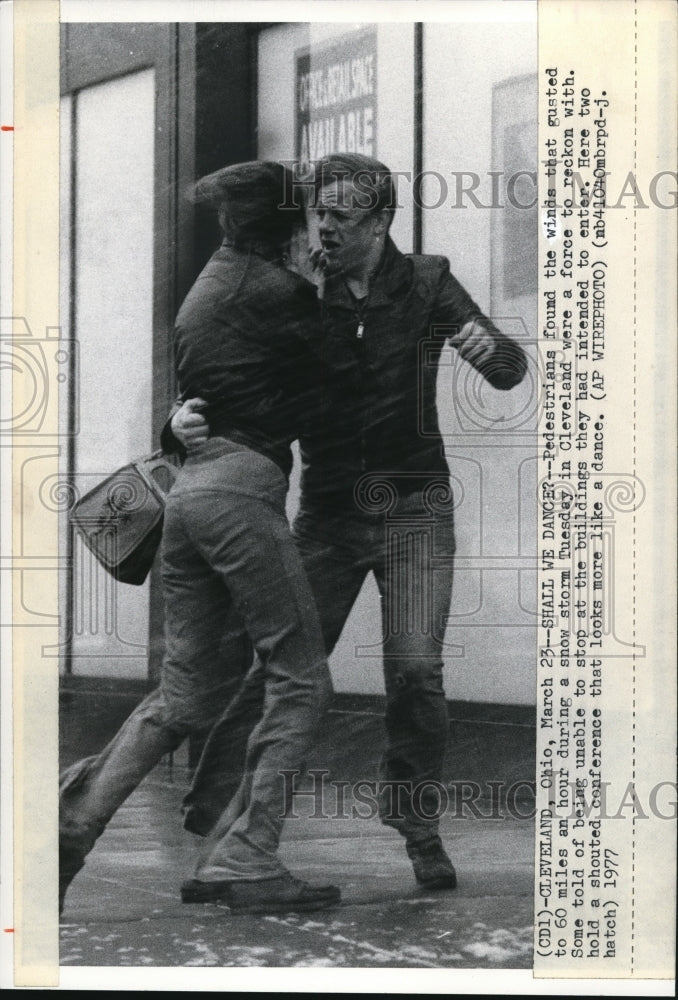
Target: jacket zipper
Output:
{"points": [[360, 335], [360, 308]]}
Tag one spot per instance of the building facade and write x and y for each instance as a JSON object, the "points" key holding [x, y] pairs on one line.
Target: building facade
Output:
{"points": [[148, 108]]}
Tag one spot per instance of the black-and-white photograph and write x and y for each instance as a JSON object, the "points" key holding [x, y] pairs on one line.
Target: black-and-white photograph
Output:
{"points": [[298, 272], [337, 496]]}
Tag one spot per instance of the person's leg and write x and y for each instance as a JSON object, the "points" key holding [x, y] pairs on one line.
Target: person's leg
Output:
{"points": [[336, 561], [93, 789], [213, 544], [221, 766], [415, 582], [241, 530], [206, 649], [330, 556]]}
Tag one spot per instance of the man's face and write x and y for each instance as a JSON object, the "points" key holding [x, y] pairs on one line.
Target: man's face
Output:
{"points": [[347, 231]]}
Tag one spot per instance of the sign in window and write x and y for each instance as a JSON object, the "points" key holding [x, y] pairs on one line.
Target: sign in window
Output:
{"points": [[336, 98]]}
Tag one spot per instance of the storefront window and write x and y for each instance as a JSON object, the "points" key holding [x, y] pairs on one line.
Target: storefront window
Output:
{"points": [[325, 88]]}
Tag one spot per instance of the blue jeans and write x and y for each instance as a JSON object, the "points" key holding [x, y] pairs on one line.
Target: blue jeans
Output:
{"points": [[410, 550], [226, 548]]}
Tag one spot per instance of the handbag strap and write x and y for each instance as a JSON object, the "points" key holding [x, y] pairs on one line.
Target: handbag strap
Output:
{"points": [[158, 458]]}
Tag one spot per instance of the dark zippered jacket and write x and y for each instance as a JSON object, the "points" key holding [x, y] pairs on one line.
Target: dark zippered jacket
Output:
{"points": [[379, 403]]}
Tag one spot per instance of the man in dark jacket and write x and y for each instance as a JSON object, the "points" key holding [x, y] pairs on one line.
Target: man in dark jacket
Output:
{"points": [[375, 492]]}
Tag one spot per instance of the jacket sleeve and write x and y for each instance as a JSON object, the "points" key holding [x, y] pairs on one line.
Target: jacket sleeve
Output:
{"points": [[498, 358]]}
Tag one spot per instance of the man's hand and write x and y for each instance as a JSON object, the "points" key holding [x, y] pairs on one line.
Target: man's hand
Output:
{"points": [[320, 262], [316, 258], [476, 344], [189, 426]]}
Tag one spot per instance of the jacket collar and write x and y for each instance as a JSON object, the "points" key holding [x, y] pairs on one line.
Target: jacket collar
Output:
{"points": [[393, 272]]}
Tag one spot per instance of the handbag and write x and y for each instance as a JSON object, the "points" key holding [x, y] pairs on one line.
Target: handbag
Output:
{"points": [[120, 520]]}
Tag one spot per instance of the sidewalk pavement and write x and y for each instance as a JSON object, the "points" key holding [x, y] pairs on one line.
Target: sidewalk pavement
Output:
{"points": [[124, 909]]}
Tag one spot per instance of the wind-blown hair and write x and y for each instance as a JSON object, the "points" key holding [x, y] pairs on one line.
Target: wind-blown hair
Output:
{"points": [[255, 201]]}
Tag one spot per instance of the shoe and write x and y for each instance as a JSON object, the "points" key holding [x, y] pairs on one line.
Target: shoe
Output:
{"points": [[70, 863], [272, 895], [432, 867]]}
